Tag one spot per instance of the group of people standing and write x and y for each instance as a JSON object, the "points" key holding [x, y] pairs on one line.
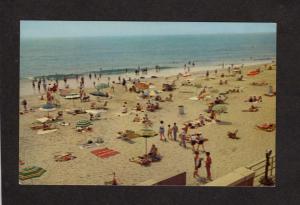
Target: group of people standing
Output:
{"points": [[172, 134]]}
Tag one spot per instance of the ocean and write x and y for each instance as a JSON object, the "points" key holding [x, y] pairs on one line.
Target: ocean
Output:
{"points": [[42, 57]]}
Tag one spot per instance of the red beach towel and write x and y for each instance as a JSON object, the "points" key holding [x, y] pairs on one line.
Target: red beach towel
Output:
{"points": [[104, 153]]}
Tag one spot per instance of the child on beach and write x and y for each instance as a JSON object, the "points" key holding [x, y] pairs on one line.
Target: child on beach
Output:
{"points": [[208, 165], [162, 131], [175, 130], [169, 132]]}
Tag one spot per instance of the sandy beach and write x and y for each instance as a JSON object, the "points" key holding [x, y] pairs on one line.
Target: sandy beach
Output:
{"points": [[87, 169]]}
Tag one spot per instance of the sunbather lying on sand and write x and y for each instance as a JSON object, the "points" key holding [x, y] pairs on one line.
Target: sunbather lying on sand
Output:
{"points": [[269, 127], [254, 99], [232, 135], [144, 160], [146, 121], [259, 83], [63, 158], [251, 109]]}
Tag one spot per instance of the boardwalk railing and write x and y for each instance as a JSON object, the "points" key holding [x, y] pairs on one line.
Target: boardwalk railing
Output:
{"points": [[259, 167]]}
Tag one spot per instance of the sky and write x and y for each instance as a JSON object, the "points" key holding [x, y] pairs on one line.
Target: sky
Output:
{"points": [[58, 29]]}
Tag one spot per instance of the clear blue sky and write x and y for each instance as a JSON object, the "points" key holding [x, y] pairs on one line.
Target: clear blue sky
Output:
{"points": [[46, 29]]}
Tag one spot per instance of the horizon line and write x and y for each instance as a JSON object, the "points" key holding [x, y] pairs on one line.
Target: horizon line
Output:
{"points": [[137, 35]]}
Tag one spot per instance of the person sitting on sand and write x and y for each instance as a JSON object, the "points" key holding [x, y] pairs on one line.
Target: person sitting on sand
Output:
{"points": [[232, 135], [221, 82], [169, 98], [253, 108], [124, 109], [138, 107], [201, 120], [153, 154], [136, 118], [156, 106]]}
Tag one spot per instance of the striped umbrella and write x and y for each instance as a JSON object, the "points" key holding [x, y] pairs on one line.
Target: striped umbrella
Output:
{"points": [[31, 172], [146, 132], [83, 123], [47, 108]]}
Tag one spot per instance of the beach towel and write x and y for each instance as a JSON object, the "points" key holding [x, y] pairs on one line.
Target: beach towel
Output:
{"points": [[194, 98], [89, 145], [42, 132], [43, 119], [104, 153]]}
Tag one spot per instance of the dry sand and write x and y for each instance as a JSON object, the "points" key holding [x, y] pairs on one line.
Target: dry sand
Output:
{"points": [[87, 169]]}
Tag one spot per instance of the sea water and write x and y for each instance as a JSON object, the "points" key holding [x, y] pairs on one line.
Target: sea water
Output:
{"points": [[50, 56]]}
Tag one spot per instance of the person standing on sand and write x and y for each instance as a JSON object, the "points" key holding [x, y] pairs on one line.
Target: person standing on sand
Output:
{"points": [[208, 165], [169, 132], [183, 138], [90, 76], [162, 131], [39, 85], [33, 84], [197, 164], [24, 103], [207, 74], [175, 130]]}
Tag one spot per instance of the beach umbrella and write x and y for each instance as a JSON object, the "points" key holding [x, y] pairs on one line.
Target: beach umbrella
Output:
{"points": [[101, 86], [219, 108], [98, 94], [83, 123], [146, 132], [47, 108], [153, 93], [72, 97], [142, 86], [31, 172]]}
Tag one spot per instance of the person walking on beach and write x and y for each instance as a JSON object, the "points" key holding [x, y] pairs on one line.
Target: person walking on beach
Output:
{"points": [[124, 84], [39, 85], [24, 103], [90, 76], [33, 84], [169, 132], [207, 74], [119, 78], [208, 165], [175, 130], [162, 131], [45, 86]]}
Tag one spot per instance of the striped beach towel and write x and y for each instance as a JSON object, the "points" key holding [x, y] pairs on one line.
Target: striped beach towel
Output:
{"points": [[104, 153]]}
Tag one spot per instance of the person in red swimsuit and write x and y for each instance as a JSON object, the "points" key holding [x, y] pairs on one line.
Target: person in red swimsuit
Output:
{"points": [[208, 165]]}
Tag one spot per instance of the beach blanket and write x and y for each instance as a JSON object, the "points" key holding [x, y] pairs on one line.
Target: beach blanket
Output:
{"points": [[43, 119], [104, 153], [194, 98], [42, 132]]}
